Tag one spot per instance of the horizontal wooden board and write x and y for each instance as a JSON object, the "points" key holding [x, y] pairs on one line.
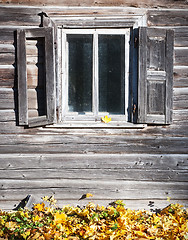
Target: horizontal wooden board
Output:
{"points": [[35, 75], [99, 174], [180, 116], [19, 16], [180, 76], [181, 57], [180, 103], [7, 48], [7, 115], [94, 161], [181, 37], [54, 12], [132, 204], [7, 76], [94, 144], [180, 130], [168, 18], [106, 189], [7, 35], [132, 3], [7, 58]]}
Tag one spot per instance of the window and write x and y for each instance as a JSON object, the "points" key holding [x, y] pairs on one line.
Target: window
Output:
{"points": [[95, 74], [125, 73]]}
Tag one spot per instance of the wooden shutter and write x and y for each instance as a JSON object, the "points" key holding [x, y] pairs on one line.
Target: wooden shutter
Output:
{"points": [[45, 76], [155, 76]]}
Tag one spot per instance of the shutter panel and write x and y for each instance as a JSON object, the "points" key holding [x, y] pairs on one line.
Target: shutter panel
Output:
{"points": [[155, 76], [36, 77], [22, 78]]}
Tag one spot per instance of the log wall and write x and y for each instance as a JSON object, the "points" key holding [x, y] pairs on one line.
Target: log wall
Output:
{"points": [[136, 165]]}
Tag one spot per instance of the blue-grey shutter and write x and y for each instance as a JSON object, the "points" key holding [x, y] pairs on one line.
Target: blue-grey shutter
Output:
{"points": [[49, 76], [155, 75]]}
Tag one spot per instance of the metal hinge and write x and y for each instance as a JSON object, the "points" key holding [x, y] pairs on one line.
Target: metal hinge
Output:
{"points": [[134, 108], [135, 42]]}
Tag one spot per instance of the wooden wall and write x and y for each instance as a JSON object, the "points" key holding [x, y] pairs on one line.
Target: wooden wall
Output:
{"points": [[127, 3], [136, 165]]}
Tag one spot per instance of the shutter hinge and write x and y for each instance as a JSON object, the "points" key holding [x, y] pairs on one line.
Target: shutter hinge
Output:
{"points": [[134, 108], [135, 42]]}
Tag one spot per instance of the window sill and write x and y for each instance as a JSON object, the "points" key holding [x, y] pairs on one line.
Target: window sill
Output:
{"points": [[89, 124]]}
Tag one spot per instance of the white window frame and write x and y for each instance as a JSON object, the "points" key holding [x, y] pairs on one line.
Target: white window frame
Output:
{"points": [[94, 115]]}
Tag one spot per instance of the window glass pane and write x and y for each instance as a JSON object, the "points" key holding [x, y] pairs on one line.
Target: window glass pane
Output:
{"points": [[80, 61], [112, 74]]}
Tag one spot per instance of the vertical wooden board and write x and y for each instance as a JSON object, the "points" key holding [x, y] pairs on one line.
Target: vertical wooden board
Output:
{"points": [[169, 75], [50, 74], [142, 55], [22, 78]]}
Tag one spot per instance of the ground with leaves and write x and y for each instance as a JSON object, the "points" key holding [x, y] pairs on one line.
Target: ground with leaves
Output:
{"points": [[94, 223]]}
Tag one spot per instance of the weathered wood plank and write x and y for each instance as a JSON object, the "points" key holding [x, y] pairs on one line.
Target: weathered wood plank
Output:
{"points": [[33, 71], [7, 115], [36, 99], [169, 131], [94, 161], [180, 76], [101, 144], [6, 98], [168, 18], [181, 56], [7, 48], [7, 58], [132, 204], [7, 35], [180, 116], [180, 102], [106, 189], [7, 76], [89, 139], [181, 37], [89, 3], [98, 174], [19, 16]]}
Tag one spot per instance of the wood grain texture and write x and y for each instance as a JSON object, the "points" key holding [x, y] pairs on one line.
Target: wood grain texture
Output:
{"points": [[7, 76], [132, 3], [168, 18], [136, 165], [22, 78]]}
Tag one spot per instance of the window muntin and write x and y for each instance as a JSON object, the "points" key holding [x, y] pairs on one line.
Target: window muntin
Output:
{"points": [[95, 62]]}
